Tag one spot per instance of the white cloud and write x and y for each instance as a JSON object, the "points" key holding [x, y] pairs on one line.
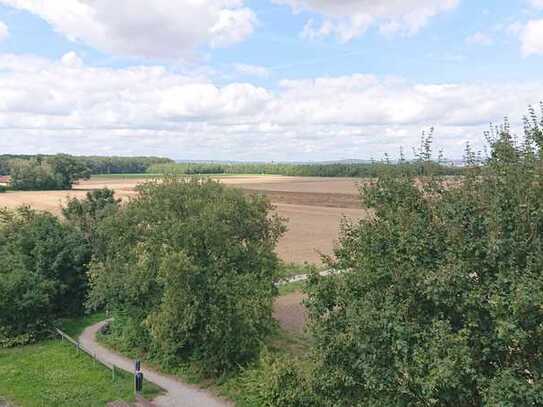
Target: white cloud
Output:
{"points": [[536, 3], [150, 110], [4, 31], [480, 38], [252, 70], [71, 59], [348, 19], [148, 28], [531, 37]]}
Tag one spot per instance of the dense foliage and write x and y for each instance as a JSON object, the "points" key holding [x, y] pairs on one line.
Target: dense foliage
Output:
{"points": [[53, 173], [86, 214], [370, 170], [95, 164], [42, 273], [441, 301], [188, 269]]}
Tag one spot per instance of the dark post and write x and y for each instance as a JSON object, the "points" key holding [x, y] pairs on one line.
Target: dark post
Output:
{"points": [[138, 378]]}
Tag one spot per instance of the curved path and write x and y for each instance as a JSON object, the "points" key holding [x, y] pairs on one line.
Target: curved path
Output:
{"points": [[178, 394]]}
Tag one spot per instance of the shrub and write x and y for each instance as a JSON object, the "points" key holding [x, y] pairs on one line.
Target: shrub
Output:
{"points": [[3, 189], [191, 264], [42, 273]]}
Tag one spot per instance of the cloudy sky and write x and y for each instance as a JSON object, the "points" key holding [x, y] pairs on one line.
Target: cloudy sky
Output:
{"points": [[263, 79]]}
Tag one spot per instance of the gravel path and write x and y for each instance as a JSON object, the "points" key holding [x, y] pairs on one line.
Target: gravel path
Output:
{"points": [[178, 393]]}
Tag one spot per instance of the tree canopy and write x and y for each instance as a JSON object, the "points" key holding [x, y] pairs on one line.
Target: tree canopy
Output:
{"points": [[43, 266], [440, 301], [187, 266], [54, 173]]}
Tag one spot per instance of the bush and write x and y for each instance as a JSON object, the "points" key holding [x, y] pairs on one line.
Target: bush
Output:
{"points": [[191, 265], [3, 189], [441, 304], [42, 273], [53, 173]]}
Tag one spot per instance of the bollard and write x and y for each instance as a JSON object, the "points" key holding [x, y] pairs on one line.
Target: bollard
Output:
{"points": [[138, 379]]}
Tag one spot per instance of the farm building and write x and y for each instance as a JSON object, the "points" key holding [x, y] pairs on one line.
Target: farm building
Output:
{"points": [[5, 179]]}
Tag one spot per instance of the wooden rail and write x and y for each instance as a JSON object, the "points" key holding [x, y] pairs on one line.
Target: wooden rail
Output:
{"points": [[81, 348]]}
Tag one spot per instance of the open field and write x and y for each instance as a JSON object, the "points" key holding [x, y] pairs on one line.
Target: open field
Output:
{"points": [[313, 206]]}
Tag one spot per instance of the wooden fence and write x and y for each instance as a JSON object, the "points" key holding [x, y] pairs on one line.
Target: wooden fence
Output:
{"points": [[81, 348]]}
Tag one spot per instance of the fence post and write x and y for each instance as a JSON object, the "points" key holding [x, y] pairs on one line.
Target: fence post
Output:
{"points": [[113, 372]]}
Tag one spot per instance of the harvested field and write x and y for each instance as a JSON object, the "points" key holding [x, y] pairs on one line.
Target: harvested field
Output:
{"points": [[313, 206]]}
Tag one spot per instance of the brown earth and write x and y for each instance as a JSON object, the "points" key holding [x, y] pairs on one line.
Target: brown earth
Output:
{"points": [[289, 311], [314, 206]]}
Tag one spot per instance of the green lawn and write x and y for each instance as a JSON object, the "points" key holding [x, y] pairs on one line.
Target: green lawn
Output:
{"points": [[151, 176], [53, 373], [125, 176]]}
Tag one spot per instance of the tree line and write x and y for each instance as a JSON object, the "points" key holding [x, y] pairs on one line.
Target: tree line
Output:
{"points": [[95, 164], [438, 301], [59, 172], [363, 170]]}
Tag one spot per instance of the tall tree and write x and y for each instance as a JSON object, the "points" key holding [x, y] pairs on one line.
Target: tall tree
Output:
{"points": [[43, 266], [188, 267]]}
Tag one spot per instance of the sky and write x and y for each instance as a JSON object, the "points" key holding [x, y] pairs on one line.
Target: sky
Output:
{"points": [[264, 80]]}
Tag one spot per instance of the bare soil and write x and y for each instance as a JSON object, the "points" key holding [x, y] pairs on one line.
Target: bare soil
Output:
{"points": [[314, 206], [289, 311]]}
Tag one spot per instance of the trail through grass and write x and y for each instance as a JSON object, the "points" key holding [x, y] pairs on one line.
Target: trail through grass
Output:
{"points": [[54, 373]]}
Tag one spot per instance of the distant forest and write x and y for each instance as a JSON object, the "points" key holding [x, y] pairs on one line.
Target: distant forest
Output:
{"points": [[95, 164], [159, 165], [308, 170]]}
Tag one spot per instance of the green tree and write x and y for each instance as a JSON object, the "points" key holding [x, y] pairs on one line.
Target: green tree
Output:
{"points": [[440, 302], [49, 173], [188, 267], [32, 174], [42, 273], [86, 214], [67, 170]]}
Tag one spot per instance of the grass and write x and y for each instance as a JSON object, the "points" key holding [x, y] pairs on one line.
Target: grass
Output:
{"points": [[248, 386], [291, 287], [75, 326], [145, 175], [53, 373], [125, 176], [288, 270]]}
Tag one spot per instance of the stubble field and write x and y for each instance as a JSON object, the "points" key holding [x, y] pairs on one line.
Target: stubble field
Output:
{"points": [[314, 206]]}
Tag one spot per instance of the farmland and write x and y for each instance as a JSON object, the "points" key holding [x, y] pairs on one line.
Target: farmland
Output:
{"points": [[314, 206]]}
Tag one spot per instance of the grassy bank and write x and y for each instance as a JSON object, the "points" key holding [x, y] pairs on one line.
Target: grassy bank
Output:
{"points": [[53, 373]]}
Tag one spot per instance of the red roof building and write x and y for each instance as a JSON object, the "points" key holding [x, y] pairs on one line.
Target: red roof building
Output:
{"points": [[5, 179]]}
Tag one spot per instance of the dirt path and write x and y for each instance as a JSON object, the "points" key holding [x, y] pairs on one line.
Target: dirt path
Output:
{"points": [[289, 311], [178, 393]]}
